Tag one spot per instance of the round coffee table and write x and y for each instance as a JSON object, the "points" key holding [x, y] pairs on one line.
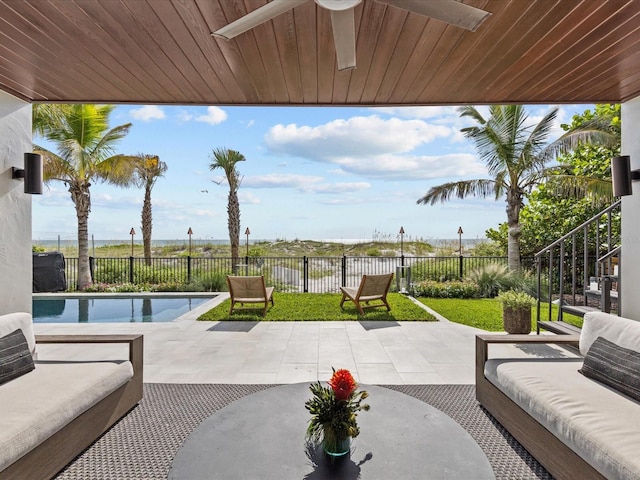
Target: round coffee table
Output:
{"points": [[262, 437]]}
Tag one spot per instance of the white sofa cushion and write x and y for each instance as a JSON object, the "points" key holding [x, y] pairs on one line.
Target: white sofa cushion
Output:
{"points": [[22, 321], [598, 423], [38, 404], [621, 331]]}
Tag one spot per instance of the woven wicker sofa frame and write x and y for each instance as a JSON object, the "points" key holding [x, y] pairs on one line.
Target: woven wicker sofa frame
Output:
{"points": [[51, 456], [559, 460]]}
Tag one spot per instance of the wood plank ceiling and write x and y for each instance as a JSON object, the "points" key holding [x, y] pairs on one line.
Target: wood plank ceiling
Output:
{"points": [[161, 52]]}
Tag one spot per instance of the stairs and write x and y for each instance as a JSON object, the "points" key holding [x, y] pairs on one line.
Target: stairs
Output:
{"points": [[578, 273]]}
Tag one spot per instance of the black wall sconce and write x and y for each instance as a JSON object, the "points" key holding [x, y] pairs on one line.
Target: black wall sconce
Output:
{"points": [[32, 173]]}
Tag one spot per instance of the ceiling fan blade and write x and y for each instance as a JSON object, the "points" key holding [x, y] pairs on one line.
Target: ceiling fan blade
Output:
{"points": [[256, 17], [449, 11], [344, 35]]}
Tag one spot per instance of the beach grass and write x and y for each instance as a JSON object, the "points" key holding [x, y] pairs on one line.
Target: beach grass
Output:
{"points": [[321, 307]]}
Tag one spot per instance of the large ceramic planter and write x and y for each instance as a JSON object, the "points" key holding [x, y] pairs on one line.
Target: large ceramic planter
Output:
{"points": [[517, 320]]}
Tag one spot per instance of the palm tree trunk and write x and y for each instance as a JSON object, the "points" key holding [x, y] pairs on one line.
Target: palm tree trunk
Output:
{"points": [[147, 224], [82, 201], [233, 211], [514, 202]]}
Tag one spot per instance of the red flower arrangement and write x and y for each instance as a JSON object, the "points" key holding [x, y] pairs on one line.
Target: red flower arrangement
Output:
{"points": [[334, 410]]}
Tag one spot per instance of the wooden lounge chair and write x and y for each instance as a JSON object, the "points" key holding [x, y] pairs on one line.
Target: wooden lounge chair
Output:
{"points": [[371, 288], [249, 290]]}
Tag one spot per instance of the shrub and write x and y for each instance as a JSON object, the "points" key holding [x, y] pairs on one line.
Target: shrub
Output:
{"points": [[373, 252], [492, 278], [209, 282], [157, 274], [437, 269], [516, 299], [114, 288], [171, 287], [256, 252], [455, 289], [112, 272]]}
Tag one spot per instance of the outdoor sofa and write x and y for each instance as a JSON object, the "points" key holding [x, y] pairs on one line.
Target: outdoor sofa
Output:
{"points": [[51, 413], [577, 427]]}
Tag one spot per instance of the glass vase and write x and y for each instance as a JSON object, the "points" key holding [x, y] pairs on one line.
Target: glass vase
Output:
{"points": [[337, 448]]}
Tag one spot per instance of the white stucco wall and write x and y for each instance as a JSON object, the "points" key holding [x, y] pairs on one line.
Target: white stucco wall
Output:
{"points": [[15, 207], [630, 265]]}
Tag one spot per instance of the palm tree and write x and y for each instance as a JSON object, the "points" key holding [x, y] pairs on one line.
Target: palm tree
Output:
{"points": [[47, 115], [226, 160], [147, 170], [516, 155], [85, 147]]}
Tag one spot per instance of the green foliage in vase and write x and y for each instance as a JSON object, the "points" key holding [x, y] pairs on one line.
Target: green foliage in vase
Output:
{"points": [[334, 410]]}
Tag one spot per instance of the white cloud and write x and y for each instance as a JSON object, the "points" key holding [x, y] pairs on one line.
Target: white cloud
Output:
{"points": [[346, 187], [373, 147], [204, 213], [303, 183], [344, 200], [248, 198], [147, 113], [214, 116], [274, 180], [395, 167], [184, 116], [356, 136]]}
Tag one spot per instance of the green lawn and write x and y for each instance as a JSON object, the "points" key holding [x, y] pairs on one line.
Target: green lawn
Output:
{"points": [[485, 313], [321, 306]]}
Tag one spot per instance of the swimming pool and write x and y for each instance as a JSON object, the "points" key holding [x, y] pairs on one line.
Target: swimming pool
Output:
{"points": [[100, 309]]}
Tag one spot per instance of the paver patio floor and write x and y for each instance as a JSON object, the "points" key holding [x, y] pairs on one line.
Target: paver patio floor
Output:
{"points": [[189, 351]]}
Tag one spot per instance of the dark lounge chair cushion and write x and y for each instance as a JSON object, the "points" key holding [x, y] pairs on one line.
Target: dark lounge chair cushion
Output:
{"points": [[15, 357], [613, 365]]}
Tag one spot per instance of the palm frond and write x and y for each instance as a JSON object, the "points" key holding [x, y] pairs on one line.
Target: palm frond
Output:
{"points": [[226, 160], [54, 166], [118, 170], [596, 131], [599, 191], [461, 189], [471, 111]]}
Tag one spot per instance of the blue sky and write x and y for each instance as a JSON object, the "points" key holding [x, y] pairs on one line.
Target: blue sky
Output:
{"points": [[310, 173]]}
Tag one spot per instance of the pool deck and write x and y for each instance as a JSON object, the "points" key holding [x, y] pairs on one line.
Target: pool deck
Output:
{"points": [[190, 351]]}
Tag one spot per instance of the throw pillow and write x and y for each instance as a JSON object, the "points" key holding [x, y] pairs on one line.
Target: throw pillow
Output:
{"points": [[614, 366], [15, 358]]}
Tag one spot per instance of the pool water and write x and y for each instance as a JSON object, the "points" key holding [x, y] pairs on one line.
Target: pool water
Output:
{"points": [[112, 310]]}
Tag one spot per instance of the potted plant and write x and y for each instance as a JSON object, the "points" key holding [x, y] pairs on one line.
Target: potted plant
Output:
{"points": [[516, 311], [334, 410]]}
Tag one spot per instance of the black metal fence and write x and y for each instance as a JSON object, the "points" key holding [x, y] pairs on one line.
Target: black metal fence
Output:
{"points": [[292, 274]]}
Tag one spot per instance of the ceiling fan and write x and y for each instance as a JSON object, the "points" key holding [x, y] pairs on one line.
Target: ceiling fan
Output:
{"points": [[343, 24]]}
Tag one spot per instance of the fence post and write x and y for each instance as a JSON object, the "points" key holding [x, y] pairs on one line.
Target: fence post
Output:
{"points": [[188, 268], [461, 267], [92, 267], [130, 269], [343, 280], [305, 274]]}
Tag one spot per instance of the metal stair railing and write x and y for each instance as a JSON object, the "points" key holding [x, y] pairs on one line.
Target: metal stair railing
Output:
{"points": [[569, 262]]}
